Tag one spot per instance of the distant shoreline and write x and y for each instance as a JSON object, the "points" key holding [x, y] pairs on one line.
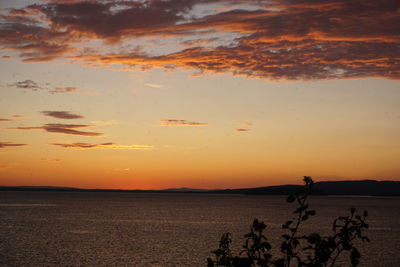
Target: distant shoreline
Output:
{"points": [[328, 188]]}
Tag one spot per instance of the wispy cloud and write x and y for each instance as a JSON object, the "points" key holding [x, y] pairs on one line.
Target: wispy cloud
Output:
{"points": [[154, 85], [7, 166], [9, 144], [57, 90], [18, 116], [14, 117], [62, 128], [242, 130], [51, 160], [62, 115], [103, 146], [245, 126], [69, 129], [170, 122], [52, 89]]}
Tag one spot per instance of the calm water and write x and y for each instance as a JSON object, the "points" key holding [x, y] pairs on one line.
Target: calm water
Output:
{"points": [[122, 229]]}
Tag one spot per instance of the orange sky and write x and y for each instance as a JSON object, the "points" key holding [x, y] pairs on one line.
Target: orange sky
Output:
{"points": [[217, 94]]}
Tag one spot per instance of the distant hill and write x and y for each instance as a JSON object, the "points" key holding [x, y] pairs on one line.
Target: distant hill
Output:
{"points": [[360, 187], [363, 187], [185, 189]]}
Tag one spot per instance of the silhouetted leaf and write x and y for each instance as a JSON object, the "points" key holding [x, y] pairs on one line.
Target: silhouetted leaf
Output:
{"points": [[365, 239], [280, 263], [352, 210], [314, 238], [304, 217], [310, 212], [319, 250], [355, 257], [291, 198]]}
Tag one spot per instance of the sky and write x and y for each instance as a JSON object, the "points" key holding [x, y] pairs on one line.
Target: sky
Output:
{"points": [[155, 94]]}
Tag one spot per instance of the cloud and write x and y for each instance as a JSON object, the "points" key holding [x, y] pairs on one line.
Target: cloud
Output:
{"points": [[113, 20], [7, 166], [103, 146], [242, 130], [4, 119], [34, 86], [62, 115], [9, 144], [153, 85], [181, 123], [28, 36], [70, 131], [18, 116], [58, 90], [51, 160], [314, 60], [27, 128], [27, 84], [290, 39], [199, 42], [245, 126], [62, 128]]}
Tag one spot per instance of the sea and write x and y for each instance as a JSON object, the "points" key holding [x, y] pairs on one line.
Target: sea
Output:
{"points": [[170, 229]]}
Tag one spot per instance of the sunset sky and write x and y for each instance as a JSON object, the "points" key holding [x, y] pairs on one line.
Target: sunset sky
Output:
{"points": [[198, 93]]}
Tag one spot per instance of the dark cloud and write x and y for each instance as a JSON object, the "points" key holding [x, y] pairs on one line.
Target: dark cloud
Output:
{"points": [[99, 18], [181, 123], [242, 130], [27, 84], [104, 145], [62, 114], [70, 131], [43, 32], [278, 39], [62, 128], [4, 119], [82, 145], [27, 128], [9, 144], [35, 86], [34, 43], [312, 60]]}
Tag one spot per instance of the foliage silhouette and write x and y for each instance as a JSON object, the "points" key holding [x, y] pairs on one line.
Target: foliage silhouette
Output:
{"points": [[311, 250]]}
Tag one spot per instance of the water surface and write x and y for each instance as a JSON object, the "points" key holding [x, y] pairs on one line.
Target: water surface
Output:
{"points": [[130, 229]]}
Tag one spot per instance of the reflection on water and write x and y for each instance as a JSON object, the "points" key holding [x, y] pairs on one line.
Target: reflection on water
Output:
{"points": [[25, 205], [114, 229]]}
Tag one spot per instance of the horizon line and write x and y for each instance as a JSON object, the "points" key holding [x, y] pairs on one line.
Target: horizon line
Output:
{"points": [[182, 187]]}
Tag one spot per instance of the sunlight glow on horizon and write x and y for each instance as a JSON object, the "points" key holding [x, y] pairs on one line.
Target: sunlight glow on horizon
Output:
{"points": [[199, 96]]}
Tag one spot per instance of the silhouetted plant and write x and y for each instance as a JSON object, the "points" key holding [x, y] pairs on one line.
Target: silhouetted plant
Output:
{"points": [[311, 250]]}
